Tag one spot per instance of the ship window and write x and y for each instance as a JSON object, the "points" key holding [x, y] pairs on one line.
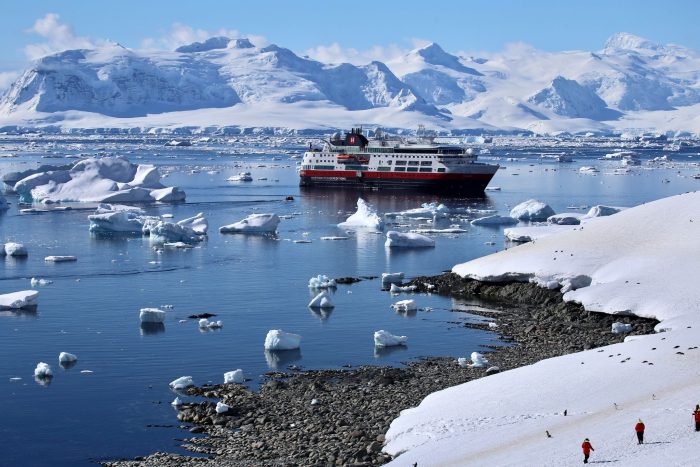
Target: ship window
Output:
{"points": [[441, 169], [400, 162], [426, 163], [389, 162], [412, 162], [399, 169], [384, 169], [426, 169], [412, 169]]}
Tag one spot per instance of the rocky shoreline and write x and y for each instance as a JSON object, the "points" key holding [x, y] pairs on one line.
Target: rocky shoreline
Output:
{"points": [[339, 417]]}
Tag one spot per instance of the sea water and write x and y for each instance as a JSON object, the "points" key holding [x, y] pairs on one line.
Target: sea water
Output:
{"points": [[115, 402]]}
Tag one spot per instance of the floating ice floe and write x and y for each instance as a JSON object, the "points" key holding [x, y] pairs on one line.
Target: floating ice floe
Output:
{"points": [[588, 169], [321, 282], [43, 370], [277, 339], [235, 376], [532, 210], [66, 358], [151, 315], [396, 239], [621, 328], [206, 324], [322, 300], [427, 210], [495, 220], [116, 218], [178, 245], [182, 382], [15, 249], [109, 179], [170, 232], [405, 305], [19, 300], [392, 277], [365, 217], [336, 237], [400, 289], [254, 224], [386, 339], [221, 407], [241, 177], [60, 259], [36, 282], [565, 218], [450, 230]]}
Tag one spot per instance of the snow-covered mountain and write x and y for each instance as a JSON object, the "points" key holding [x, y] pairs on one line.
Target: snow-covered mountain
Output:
{"points": [[630, 83]]}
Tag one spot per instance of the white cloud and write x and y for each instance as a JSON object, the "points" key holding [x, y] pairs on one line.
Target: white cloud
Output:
{"points": [[59, 36], [182, 34], [335, 53], [6, 79]]}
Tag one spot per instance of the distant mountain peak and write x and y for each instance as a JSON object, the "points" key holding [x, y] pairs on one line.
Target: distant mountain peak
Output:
{"points": [[433, 54], [213, 43], [627, 41]]}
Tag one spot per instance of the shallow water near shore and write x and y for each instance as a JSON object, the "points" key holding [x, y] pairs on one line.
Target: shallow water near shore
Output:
{"points": [[252, 284]]}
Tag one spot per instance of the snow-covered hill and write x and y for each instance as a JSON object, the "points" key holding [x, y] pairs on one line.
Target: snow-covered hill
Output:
{"points": [[630, 83]]}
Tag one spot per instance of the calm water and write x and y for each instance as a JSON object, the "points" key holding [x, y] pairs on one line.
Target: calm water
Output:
{"points": [[252, 284]]}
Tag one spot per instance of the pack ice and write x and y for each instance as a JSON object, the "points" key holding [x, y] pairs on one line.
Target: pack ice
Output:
{"points": [[110, 179]]}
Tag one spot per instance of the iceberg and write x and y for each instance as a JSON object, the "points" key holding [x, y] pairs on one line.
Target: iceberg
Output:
{"points": [[365, 217], [405, 305], [19, 300], [109, 179], [182, 382], [277, 339], [15, 249], [43, 370], [565, 218], [67, 358], [398, 289], [322, 300], [392, 277], [235, 376], [151, 315], [321, 282], [532, 210], [170, 232], [396, 239], [386, 339], [601, 211], [255, 223], [494, 220], [116, 222], [198, 224]]}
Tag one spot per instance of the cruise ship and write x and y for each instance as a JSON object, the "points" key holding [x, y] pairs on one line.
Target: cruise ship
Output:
{"points": [[385, 162]]}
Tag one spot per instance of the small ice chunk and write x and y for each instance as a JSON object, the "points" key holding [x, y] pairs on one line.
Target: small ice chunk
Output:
{"points": [[386, 339], [255, 224], [235, 376], [407, 240], [204, 323], [182, 382], [392, 277], [601, 211], [198, 224], [15, 249], [60, 259], [19, 300], [321, 282], [322, 300], [65, 357], [221, 407], [86, 372], [398, 289], [495, 220], [532, 210], [35, 282], [463, 362], [365, 217], [621, 328], [43, 370], [277, 339], [405, 305], [478, 360], [151, 315], [335, 238], [177, 402]]}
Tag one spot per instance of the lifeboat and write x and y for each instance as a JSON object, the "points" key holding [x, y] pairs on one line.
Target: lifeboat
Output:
{"points": [[345, 158]]}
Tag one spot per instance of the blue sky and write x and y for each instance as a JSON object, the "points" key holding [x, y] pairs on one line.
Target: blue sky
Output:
{"points": [[337, 30]]}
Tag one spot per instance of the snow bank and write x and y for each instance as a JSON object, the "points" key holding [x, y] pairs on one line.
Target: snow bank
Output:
{"points": [[182, 382], [151, 315], [109, 179], [322, 300], [255, 224], [277, 339], [386, 339], [365, 217], [396, 239], [235, 376], [494, 220], [19, 300], [15, 249], [535, 232], [532, 210]]}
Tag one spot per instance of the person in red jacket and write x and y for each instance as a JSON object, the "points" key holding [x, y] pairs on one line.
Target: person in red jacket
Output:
{"points": [[587, 448], [696, 415], [639, 429]]}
